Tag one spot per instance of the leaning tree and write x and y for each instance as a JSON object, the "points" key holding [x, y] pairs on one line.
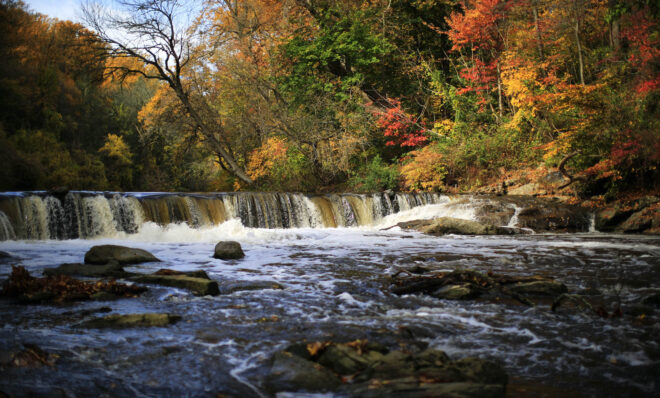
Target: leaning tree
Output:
{"points": [[160, 34]]}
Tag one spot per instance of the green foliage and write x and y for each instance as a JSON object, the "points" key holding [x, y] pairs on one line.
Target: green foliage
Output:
{"points": [[375, 176], [332, 59]]}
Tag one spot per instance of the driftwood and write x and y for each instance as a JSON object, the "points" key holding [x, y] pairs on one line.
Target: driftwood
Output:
{"points": [[562, 170]]}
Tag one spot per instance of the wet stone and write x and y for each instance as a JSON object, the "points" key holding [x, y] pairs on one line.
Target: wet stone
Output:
{"points": [[290, 372], [105, 254], [456, 292], [132, 321], [198, 286], [111, 269], [237, 286], [538, 288], [228, 250]]}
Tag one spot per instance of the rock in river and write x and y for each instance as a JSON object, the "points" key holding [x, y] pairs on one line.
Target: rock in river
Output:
{"points": [[132, 321], [112, 269], [105, 254], [369, 371], [199, 286], [228, 250]]}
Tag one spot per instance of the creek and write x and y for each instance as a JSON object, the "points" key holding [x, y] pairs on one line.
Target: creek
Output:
{"points": [[335, 261]]}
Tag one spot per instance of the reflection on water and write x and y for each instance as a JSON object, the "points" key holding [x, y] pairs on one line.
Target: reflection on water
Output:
{"points": [[337, 284]]}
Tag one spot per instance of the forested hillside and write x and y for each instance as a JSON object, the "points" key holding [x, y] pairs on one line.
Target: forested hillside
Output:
{"points": [[314, 95]]}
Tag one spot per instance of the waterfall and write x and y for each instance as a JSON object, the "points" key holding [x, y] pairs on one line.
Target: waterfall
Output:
{"points": [[6, 229], [80, 214]]}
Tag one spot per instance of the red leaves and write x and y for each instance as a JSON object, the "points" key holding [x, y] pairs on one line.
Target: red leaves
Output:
{"points": [[404, 129]]}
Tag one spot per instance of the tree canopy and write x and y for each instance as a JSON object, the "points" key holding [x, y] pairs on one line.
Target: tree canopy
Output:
{"points": [[312, 95]]}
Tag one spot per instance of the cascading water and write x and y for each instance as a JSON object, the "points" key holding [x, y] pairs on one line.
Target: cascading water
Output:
{"points": [[39, 216]]}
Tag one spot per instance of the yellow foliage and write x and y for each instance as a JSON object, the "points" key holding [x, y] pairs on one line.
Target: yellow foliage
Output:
{"points": [[425, 172], [263, 160], [116, 148]]}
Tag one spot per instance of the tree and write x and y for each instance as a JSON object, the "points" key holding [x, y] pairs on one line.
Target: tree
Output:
{"points": [[159, 34]]}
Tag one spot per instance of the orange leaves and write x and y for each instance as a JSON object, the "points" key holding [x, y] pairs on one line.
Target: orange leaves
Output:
{"points": [[60, 288], [263, 160], [317, 347], [425, 171]]}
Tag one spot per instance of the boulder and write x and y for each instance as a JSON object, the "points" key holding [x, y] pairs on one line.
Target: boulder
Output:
{"points": [[480, 371], [5, 255], [132, 321], [456, 292], [343, 360], [228, 250], [194, 274], [538, 288], [112, 269], [447, 225], [550, 216], [495, 213], [105, 254], [290, 372], [199, 286], [646, 220], [237, 286]]}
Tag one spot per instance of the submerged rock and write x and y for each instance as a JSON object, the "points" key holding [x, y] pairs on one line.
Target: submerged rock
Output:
{"points": [[228, 250], [538, 288], [467, 284], [448, 225], [289, 372], [111, 269], [132, 321], [231, 287], [199, 286], [105, 254], [456, 292], [367, 372]]}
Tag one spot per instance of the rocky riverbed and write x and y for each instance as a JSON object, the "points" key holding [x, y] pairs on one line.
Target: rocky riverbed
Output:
{"points": [[468, 297]]}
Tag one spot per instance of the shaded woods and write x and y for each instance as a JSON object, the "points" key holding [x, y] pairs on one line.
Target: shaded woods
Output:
{"points": [[310, 95]]}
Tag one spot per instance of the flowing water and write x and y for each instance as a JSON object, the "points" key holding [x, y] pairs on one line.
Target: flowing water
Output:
{"points": [[336, 283]]}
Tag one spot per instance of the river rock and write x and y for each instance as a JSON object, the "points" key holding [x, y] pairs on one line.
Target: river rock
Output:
{"points": [[378, 373], [228, 250], [112, 269], [538, 288], [646, 221], [194, 274], [447, 225], [456, 292], [231, 287], [343, 360], [556, 217], [5, 256], [199, 286], [123, 255], [132, 321], [289, 372]]}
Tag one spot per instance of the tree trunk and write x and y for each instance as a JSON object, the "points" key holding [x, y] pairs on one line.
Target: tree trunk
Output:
{"points": [[579, 45], [499, 89], [539, 40], [208, 134]]}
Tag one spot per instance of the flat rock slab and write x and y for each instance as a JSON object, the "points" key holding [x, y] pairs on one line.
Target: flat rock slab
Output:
{"points": [[231, 287], [105, 254], [199, 286], [228, 250], [112, 269], [132, 321], [457, 226], [375, 372]]}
